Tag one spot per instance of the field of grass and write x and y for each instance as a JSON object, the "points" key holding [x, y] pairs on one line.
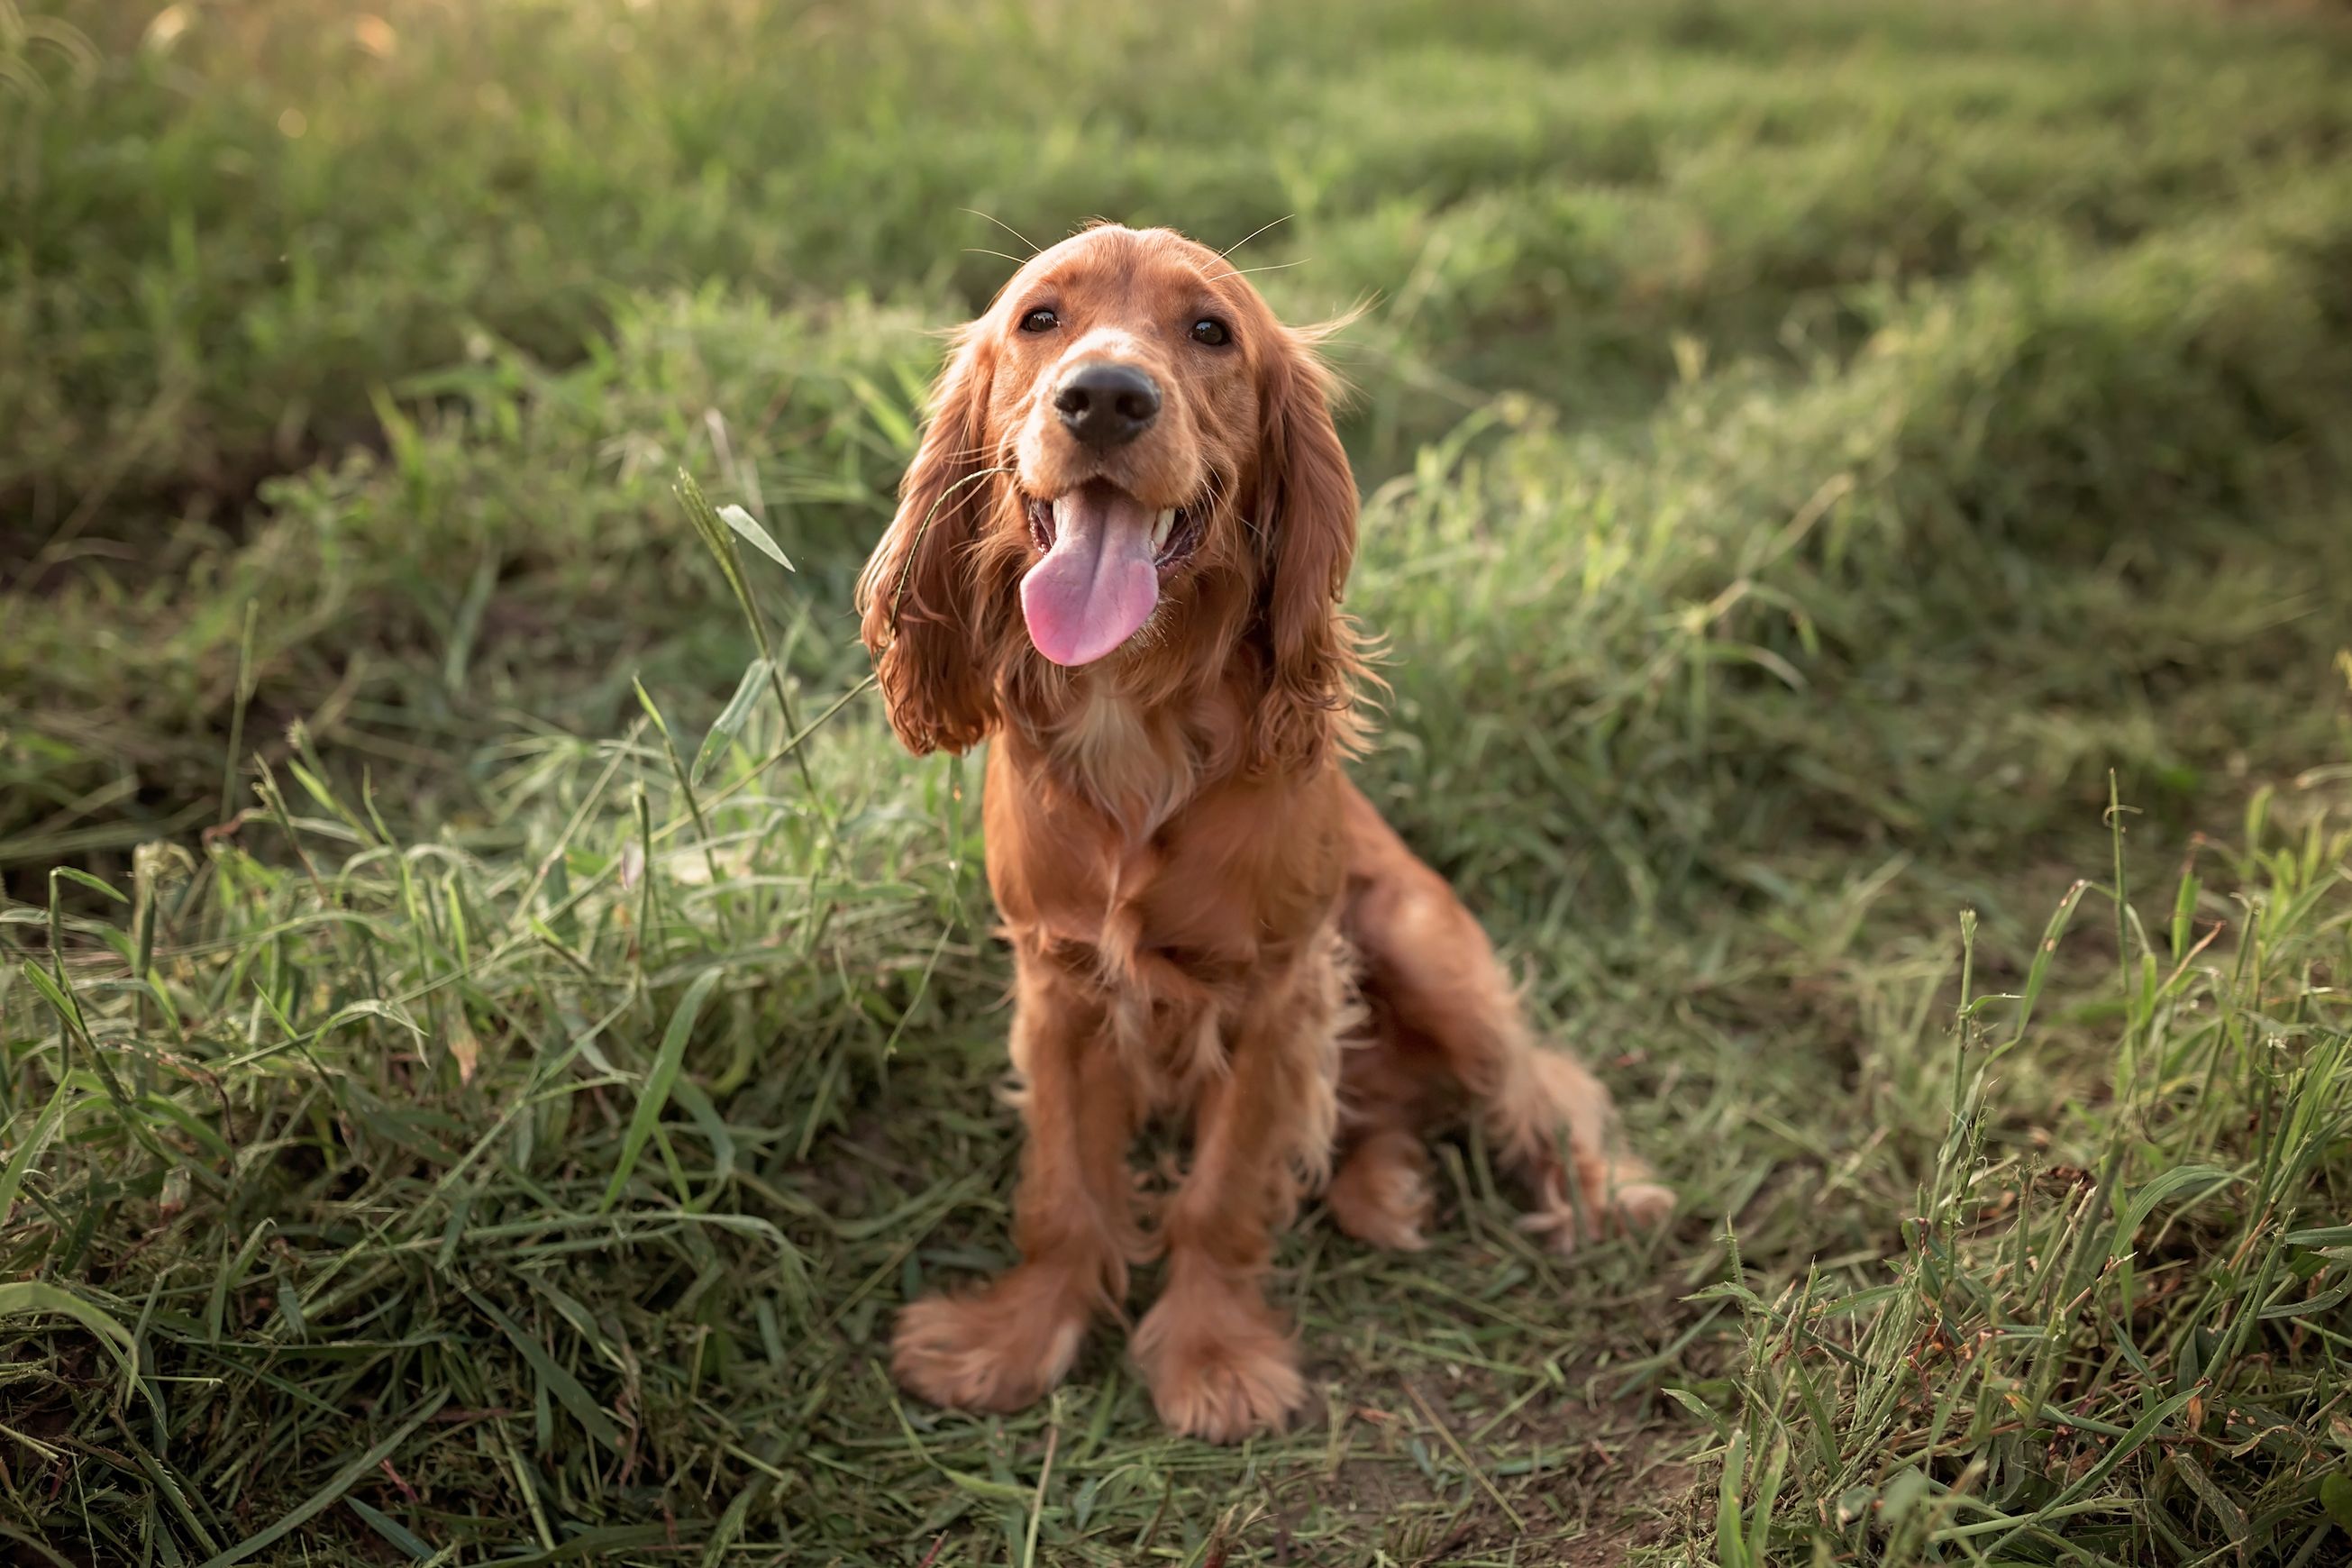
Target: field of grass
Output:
{"points": [[1856, 500]]}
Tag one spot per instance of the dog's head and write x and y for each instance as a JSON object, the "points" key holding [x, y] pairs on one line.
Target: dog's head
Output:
{"points": [[1130, 463]]}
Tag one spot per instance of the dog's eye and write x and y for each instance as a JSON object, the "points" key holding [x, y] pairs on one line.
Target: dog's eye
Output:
{"points": [[1210, 330], [1040, 320]]}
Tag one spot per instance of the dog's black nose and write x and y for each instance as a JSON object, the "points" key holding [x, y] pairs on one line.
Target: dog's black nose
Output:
{"points": [[1106, 404]]}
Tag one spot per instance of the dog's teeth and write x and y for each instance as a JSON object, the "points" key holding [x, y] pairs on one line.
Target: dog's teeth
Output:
{"points": [[1159, 530]]}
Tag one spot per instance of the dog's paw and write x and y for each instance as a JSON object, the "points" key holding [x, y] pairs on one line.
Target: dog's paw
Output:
{"points": [[1642, 1206], [1619, 1208], [1219, 1366], [1000, 1348], [1381, 1194]]}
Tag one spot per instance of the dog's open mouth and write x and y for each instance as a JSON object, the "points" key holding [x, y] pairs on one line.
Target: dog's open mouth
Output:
{"points": [[1098, 578], [1175, 531]]}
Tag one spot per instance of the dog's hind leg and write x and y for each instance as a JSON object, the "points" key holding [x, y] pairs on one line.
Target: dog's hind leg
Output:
{"points": [[1454, 1017], [1381, 1191]]}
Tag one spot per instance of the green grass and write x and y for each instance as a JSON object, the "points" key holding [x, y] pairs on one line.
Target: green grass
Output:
{"points": [[1855, 499]]}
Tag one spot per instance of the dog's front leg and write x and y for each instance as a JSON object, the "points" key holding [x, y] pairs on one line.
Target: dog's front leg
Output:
{"points": [[1003, 1346], [1219, 1360]]}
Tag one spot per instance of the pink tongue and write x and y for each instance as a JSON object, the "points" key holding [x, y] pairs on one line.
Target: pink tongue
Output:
{"points": [[1097, 583]]}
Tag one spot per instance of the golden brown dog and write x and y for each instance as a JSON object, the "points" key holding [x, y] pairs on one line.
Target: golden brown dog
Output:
{"points": [[1119, 553]]}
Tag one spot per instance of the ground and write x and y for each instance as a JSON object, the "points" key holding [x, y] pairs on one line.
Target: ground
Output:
{"points": [[491, 1028]]}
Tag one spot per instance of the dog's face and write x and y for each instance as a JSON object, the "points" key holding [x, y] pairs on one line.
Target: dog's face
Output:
{"points": [[1129, 462], [1129, 374]]}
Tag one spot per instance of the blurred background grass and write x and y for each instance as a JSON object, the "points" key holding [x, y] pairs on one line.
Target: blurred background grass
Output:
{"points": [[1814, 454]]}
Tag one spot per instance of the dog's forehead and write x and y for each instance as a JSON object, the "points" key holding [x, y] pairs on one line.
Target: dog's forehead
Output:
{"points": [[1114, 262]]}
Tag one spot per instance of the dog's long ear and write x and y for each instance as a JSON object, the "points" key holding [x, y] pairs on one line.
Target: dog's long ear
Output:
{"points": [[1307, 519], [914, 598]]}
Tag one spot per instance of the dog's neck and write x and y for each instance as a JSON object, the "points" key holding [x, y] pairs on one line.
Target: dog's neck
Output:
{"points": [[1135, 763]]}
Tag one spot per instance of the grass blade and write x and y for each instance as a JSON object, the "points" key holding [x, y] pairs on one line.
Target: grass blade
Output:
{"points": [[567, 1389], [744, 523], [655, 1095], [342, 1481], [392, 1530], [35, 1298], [12, 1175], [729, 722]]}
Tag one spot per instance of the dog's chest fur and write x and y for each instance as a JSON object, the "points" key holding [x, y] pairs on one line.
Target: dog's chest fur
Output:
{"points": [[1127, 850], [1136, 768]]}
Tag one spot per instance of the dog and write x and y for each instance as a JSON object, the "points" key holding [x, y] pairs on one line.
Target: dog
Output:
{"points": [[1118, 556]]}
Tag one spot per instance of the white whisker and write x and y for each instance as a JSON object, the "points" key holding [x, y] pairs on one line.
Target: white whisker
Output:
{"points": [[1253, 233], [1275, 267], [1007, 228]]}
